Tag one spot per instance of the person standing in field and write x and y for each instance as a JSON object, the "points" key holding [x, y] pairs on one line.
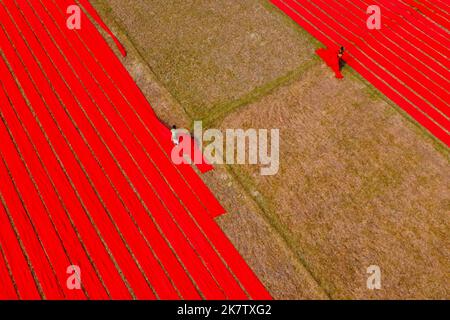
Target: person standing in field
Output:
{"points": [[340, 56], [175, 138], [334, 59]]}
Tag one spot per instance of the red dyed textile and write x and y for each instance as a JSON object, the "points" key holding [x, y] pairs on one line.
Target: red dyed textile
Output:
{"points": [[331, 59], [407, 59], [86, 177]]}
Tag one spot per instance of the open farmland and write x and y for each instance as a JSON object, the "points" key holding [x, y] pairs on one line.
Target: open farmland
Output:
{"points": [[360, 183], [88, 182]]}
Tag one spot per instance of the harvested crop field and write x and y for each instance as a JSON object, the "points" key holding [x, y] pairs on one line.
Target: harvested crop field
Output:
{"points": [[210, 53], [359, 185]]}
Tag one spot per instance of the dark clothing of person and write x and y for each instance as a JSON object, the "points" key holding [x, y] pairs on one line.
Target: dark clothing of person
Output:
{"points": [[342, 63]]}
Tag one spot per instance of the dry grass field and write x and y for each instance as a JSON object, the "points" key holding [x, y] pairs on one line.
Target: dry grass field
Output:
{"points": [[209, 54], [359, 183]]}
